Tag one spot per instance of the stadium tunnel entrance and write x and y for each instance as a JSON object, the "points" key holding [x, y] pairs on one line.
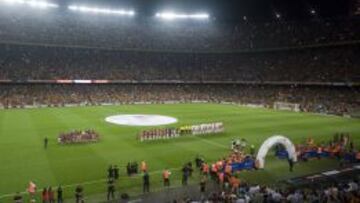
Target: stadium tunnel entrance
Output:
{"points": [[272, 141]]}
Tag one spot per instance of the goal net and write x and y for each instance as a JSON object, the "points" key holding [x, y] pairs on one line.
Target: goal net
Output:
{"points": [[287, 106]]}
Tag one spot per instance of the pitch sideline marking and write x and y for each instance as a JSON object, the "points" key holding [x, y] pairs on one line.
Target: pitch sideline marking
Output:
{"points": [[83, 183], [104, 179]]}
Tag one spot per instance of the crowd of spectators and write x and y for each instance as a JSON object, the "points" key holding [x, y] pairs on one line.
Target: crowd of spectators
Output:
{"points": [[321, 99], [70, 46], [232, 189], [68, 28], [347, 191], [78, 136], [330, 64]]}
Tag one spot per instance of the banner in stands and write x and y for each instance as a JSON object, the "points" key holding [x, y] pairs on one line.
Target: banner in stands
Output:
{"points": [[70, 105], [64, 81], [5, 81], [82, 81], [104, 81], [255, 105], [171, 102], [100, 81]]}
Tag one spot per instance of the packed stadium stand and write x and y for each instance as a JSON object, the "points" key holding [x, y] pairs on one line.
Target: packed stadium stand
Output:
{"points": [[319, 99], [23, 62], [246, 62], [342, 191], [74, 59]]}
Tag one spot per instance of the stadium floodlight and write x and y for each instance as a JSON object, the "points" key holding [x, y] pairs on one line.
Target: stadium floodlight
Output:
{"points": [[172, 16], [95, 10], [32, 3]]}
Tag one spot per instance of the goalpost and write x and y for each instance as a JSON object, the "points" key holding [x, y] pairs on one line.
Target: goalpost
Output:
{"points": [[287, 106]]}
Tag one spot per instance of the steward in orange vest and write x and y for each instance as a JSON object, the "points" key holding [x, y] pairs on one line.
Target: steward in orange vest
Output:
{"points": [[221, 178], [358, 156], [32, 189], [166, 177], [214, 171], [205, 169], [143, 166], [319, 152], [228, 169]]}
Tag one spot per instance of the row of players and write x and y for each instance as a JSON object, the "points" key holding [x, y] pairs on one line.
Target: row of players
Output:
{"points": [[78, 136], [167, 133], [156, 134]]}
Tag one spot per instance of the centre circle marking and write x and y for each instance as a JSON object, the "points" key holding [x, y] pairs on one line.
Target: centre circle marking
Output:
{"points": [[140, 119]]}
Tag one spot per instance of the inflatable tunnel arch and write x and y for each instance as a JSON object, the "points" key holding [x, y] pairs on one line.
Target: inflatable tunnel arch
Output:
{"points": [[269, 143]]}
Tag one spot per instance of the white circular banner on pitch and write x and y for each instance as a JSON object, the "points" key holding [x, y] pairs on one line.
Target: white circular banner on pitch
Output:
{"points": [[140, 120]]}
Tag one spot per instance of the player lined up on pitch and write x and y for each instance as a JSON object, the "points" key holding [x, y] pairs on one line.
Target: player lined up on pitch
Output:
{"points": [[168, 133], [79, 136]]}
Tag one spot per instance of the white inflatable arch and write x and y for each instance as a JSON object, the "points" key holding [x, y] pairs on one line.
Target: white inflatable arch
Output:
{"points": [[269, 143]]}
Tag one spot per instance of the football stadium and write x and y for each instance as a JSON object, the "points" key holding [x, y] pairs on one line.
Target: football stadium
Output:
{"points": [[181, 101]]}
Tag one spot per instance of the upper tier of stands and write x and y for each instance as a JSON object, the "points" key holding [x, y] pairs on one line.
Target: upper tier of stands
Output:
{"points": [[326, 64], [50, 45]]}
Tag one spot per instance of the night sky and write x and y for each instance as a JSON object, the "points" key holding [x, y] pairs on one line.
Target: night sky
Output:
{"points": [[233, 10]]}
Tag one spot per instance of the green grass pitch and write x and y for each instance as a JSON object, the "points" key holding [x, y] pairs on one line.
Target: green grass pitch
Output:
{"points": [[23, 158]]}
